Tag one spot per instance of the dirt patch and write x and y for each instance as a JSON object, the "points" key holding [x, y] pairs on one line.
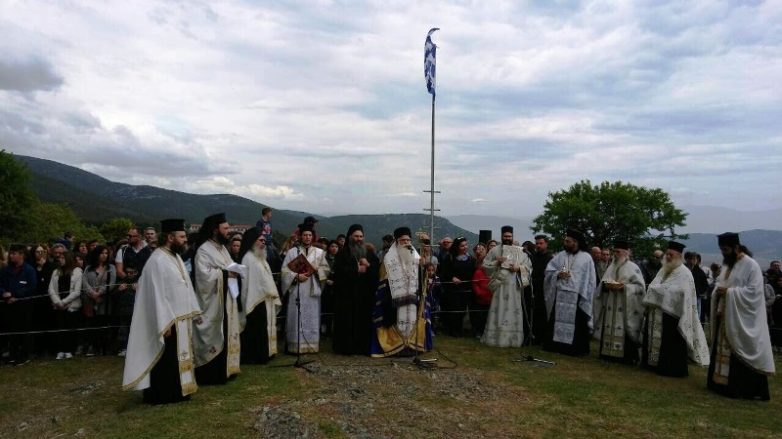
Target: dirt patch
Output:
{"points": [[360, 400]]}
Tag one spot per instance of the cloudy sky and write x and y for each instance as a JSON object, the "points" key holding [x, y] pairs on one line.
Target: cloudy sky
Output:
{"points": [[321, 106]]}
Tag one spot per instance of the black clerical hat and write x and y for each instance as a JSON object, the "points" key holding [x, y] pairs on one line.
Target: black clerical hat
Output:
{"points": [[484, 236], [172, 225], [575, 234], [505, 229], [728, 239], [353, 228], [621, 244], [676, 246], [402, 231]]}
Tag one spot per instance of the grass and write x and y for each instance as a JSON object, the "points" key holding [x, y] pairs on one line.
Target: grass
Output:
{"points": [[579, 397]]}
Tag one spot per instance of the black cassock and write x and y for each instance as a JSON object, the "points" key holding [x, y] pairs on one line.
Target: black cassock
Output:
{"points": [[743, 381], [164, 384], [673, 357], [354, 300], [255, 338], [580, 344]]}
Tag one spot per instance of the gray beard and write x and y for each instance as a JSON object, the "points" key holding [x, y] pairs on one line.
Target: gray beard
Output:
{"points": [[668, 267], [405, 255], [619, 260], [358, 251], [260, 253]]}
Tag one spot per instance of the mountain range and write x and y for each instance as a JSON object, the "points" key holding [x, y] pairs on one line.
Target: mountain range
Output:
{"points": [[96, 199]]}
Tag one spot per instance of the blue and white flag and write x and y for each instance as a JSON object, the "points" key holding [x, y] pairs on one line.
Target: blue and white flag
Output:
{"points": [[430, 50]]}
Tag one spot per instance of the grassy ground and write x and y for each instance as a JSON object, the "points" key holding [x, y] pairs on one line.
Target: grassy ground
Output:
{"points": [[486, 395]]}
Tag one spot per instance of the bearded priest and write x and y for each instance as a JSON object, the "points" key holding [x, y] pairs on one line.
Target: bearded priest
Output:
{"points": [[672, 332], [260, 301], [216, 335], [160, 356], [741, 356], [401, 316], [619, 308]]}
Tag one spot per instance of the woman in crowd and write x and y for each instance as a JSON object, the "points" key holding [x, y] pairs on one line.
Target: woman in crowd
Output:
{"points": [[479, 309], [457, 271], [65, 294], [97, 284]]}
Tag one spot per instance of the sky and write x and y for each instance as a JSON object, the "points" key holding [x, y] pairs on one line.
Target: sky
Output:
{"points": [[321, 106]]}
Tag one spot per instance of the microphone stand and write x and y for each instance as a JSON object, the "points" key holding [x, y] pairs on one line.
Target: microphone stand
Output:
{"points": [[299, 363], [526, 314]]}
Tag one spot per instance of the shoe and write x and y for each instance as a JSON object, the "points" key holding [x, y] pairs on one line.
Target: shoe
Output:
{"points": [[122, 353], [22, 362], [60, 356], [90, 352], [68, 355]]}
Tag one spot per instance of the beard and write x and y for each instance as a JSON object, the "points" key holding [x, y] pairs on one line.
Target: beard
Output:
{"points": [[405, 255], [222, 239], [357, 250], [572, 250], [178, 249], [260, 253], [730, 259], [618, 260], [507, 242], [669, 266]]}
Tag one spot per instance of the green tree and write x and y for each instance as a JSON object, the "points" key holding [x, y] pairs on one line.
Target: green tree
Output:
{"points": [[115, 228], [612, 211], [49, 221], [16, 197]]}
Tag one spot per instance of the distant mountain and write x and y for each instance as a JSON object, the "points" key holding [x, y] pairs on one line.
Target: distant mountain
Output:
{"points": [[765, 245], [711, 219], [96, 199]]}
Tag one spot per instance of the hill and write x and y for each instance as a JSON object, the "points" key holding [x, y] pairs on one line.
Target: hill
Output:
{"points": [[96, 199]]}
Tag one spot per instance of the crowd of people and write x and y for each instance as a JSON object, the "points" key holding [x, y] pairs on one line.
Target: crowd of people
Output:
{"points": [[190, 310]]}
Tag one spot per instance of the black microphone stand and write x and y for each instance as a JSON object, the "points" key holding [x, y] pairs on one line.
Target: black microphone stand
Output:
{"points": [[300, 363], [526, 312]]}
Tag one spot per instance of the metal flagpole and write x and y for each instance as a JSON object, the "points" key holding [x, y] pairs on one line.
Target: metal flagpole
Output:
{"points": [[430, 50]]}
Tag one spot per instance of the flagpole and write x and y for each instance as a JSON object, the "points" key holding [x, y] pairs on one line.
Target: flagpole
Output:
{"points": [[431, 187]]}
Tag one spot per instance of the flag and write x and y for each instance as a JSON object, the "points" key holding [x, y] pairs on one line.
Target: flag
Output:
{"points": [[430, 50]]}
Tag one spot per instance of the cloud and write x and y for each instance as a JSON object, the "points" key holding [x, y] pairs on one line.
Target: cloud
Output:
{"points": [[28, 75], [322, 106]]}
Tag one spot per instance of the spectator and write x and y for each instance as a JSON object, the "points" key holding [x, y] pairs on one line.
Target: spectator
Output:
{"points": [[65, 294], [341, 238], [457, 271], [150, 237], [97, 284], [91, 245], [651, 266], [235, 246], [444, 250], [17, 281], [434, 292], [700, 278], [42, 314], [490, 245], [129, 261], [388, 240], [81, 247], [481, 293]]}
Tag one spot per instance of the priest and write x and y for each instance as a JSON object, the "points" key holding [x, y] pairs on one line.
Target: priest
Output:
{"points": [[302, 286], [672, 332], [509, 269], [216, 336], [741, 356], [569, 286], [355, 274], [260, 301], [159, 360], [401, 316], [619, 307]]}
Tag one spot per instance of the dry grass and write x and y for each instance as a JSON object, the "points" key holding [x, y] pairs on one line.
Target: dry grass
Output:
{"points": [[487, 395]]}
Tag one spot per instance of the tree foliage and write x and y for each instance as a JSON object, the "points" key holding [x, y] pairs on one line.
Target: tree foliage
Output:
{"points": [[611, 211], [115, 228], [49, 221], [16, 197]]}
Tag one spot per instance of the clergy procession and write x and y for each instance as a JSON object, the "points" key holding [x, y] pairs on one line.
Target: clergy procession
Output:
{"points": [[196, 321]]}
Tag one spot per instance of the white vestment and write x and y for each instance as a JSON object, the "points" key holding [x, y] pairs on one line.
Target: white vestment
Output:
{"points": [[403, 284], [308, 293], [259, 287], [210, 261], [619, 312], [743, 329], [675, 295], [569, 294], [164, 298], [505, 322]]}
